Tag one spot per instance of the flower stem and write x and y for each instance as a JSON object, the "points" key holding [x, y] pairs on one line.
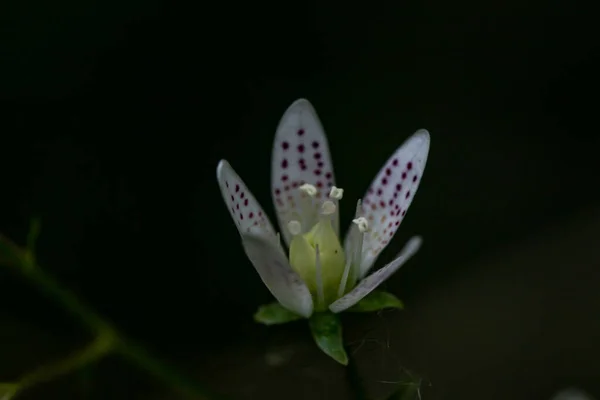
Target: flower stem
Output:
{"points": [[101, 346], [353, 377], [107, 337]]}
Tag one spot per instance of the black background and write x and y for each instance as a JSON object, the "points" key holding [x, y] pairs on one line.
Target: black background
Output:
{"points": [[114, 116]]}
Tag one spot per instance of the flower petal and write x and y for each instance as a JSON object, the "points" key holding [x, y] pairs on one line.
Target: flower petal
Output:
{"points": [[572, 394], [270, 262], [389, 196], [371, 282], [243, 207], [300, 155]]}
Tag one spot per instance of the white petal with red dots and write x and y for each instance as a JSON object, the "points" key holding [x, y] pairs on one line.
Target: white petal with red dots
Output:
{"points": [[390, 194], [270, 262], [300, 156], [371, 282], [243, 207]]}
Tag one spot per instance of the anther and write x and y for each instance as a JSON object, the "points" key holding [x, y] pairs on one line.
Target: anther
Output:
{"points": [[309, 189], [294, 227], [362, 223], [336, 193], [328, 207]]}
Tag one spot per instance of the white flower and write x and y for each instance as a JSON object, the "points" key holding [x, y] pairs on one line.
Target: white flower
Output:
{"points": [[319, 274]]}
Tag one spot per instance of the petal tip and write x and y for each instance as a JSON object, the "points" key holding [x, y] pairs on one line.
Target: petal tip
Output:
{"points": [[220, 166], [413, 245], [416, 241], [572, 394], [301, 102], [300, 105], [423, 136], [424, 133]]}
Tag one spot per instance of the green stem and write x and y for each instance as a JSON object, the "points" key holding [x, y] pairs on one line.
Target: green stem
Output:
{"points": [[354, 380], [65, 298], [26, 265], [100, 347]]}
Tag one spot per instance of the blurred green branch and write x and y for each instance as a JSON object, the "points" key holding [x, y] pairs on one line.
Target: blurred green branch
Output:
{"points": [[101, 346], [107, 339]]}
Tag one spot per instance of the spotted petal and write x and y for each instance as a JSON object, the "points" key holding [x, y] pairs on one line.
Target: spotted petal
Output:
{"points": [[389, 196], [300, 155], [272, 265], [243, 207], [371, 282]]}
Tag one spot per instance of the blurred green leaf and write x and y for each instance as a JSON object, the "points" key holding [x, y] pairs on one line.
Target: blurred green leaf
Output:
{"points": [[326, 329], [10, 253], [274, 313], [8, 390], [375, 301], [32, 235]]}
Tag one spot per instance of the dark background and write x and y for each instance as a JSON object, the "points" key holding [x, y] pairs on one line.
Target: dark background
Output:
{"points": [[113, 119]]}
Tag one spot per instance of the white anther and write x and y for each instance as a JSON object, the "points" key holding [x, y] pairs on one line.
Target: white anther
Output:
{"points": [[336, 193], [362, 223], [294, 227], [309, 189], [328, 207]]}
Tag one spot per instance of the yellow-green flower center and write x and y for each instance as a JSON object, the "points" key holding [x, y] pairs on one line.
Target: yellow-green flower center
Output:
{"points": [[316, 253], [317, 256]]}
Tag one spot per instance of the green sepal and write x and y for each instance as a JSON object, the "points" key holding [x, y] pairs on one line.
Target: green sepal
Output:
{"points": [[326, 329], [274, 313], [375, 301]]}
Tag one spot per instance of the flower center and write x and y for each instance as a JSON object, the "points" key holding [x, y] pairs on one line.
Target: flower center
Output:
{"points": [[317, 255]]}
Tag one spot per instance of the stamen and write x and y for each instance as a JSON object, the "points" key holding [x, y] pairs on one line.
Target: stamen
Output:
{"points": [[295, 227], [362, 223], [344, 280], [307, 206], [319, 278], [357, 250], [358, 212], [357, 242], [328, 207], [354, 255], [309, 189], [277, 239], [336, 193]]}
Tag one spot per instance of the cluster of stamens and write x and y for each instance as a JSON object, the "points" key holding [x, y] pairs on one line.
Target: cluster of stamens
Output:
{"points": [[325, 209]]}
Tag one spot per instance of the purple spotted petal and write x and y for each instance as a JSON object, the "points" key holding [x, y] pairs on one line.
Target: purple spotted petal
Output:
{"points": [[243, 207], [390, 194], [300, 155]]}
